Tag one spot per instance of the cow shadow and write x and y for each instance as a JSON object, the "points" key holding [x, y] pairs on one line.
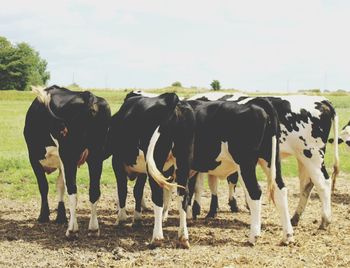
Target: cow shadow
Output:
{"points": [[341, 198]]}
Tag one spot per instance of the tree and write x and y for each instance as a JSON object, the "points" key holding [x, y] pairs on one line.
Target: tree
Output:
{"points": [[176, 84], [21, 66], [215, 85]]}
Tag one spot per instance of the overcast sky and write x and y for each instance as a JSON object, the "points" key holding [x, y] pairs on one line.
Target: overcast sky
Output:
{"points": [[251, 45]]}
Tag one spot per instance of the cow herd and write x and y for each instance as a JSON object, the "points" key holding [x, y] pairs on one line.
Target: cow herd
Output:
{"points": [[173, 142]]}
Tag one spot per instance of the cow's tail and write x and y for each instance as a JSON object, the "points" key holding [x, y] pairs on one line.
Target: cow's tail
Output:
{"points": [[274, 128], [151, 165], [336, 150], [42, 95]]}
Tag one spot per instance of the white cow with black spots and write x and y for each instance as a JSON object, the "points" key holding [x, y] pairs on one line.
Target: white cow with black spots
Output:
{"points": [[305, 123]]}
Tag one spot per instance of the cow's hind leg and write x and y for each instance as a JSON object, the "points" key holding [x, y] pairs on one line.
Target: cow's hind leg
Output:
{"points": [[122, 189], [69, 169], [306, 186], [61, 209], [280, 197], [253, 197], [213, 185], [138, 195], [95, 170], [43, 188], [232, 182], [182, 174], [157, 199]]}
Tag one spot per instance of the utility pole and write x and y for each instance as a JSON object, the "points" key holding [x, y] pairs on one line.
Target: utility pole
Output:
{"points": [[106, 81]]}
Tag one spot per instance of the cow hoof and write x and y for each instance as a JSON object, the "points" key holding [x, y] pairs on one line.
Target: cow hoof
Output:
{"points": [[211, 215], [252, 240], [137, 224], [94, 233], [61, 214], [165, 216], [43, 219], [324, 224], [288, 240], [72, 235], [121, 223], [196, 210], [233, 205], [295, 220], [189, 212], [183, 243], [61, 218], [156, 243]]}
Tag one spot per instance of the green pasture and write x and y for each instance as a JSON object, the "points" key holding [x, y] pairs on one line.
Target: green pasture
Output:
{"points": [[18, 181]]}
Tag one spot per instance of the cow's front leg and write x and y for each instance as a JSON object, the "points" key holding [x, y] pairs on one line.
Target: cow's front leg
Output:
{"points": [[306, 186], [95, 170], [195, 187], [213, 185], [138, 195], [157, 199], [232, 182], [166, 202], [122, 189], [61, 209]]}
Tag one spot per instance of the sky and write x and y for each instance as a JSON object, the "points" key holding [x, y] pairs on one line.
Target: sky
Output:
{"points": [[270, 45]]}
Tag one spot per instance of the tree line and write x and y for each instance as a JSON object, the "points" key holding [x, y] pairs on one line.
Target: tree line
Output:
{"points": [[21, 66]]}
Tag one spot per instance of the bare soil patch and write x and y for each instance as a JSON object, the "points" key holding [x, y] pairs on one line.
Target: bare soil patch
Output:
{"points": [[216, 243]]}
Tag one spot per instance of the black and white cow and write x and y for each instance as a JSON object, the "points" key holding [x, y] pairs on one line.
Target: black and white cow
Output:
{"points": [[231, 137], [149, 134], [305, 123], [344, 137], [63, 129]]}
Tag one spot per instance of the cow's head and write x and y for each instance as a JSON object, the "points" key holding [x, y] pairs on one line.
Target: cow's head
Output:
{"points": [[344, 136]]}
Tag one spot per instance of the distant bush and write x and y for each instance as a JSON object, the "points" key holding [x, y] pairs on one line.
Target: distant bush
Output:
{"points": [[74, 86], [313, 90], [215, 85], [176, 84]]}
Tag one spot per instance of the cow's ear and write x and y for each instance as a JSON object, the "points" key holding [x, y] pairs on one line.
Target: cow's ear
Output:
{"points": [[90, 100]]}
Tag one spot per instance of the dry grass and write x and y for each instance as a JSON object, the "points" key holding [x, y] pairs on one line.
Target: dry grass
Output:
{"points": [[217, 243]]}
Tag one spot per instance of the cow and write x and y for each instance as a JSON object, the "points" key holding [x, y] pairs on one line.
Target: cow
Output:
{"points": [[305, 123], [63, 129], [344, 137], [231, 137], [146, 135]]}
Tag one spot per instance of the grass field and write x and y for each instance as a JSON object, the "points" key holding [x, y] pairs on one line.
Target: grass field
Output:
{"points": [[17, 179]]}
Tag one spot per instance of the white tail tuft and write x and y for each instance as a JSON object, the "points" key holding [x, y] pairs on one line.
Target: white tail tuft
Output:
{"points": [[151, 165], [42, 95]]}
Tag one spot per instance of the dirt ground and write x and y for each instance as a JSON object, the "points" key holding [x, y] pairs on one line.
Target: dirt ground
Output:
{"points": [[214, 243]]}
